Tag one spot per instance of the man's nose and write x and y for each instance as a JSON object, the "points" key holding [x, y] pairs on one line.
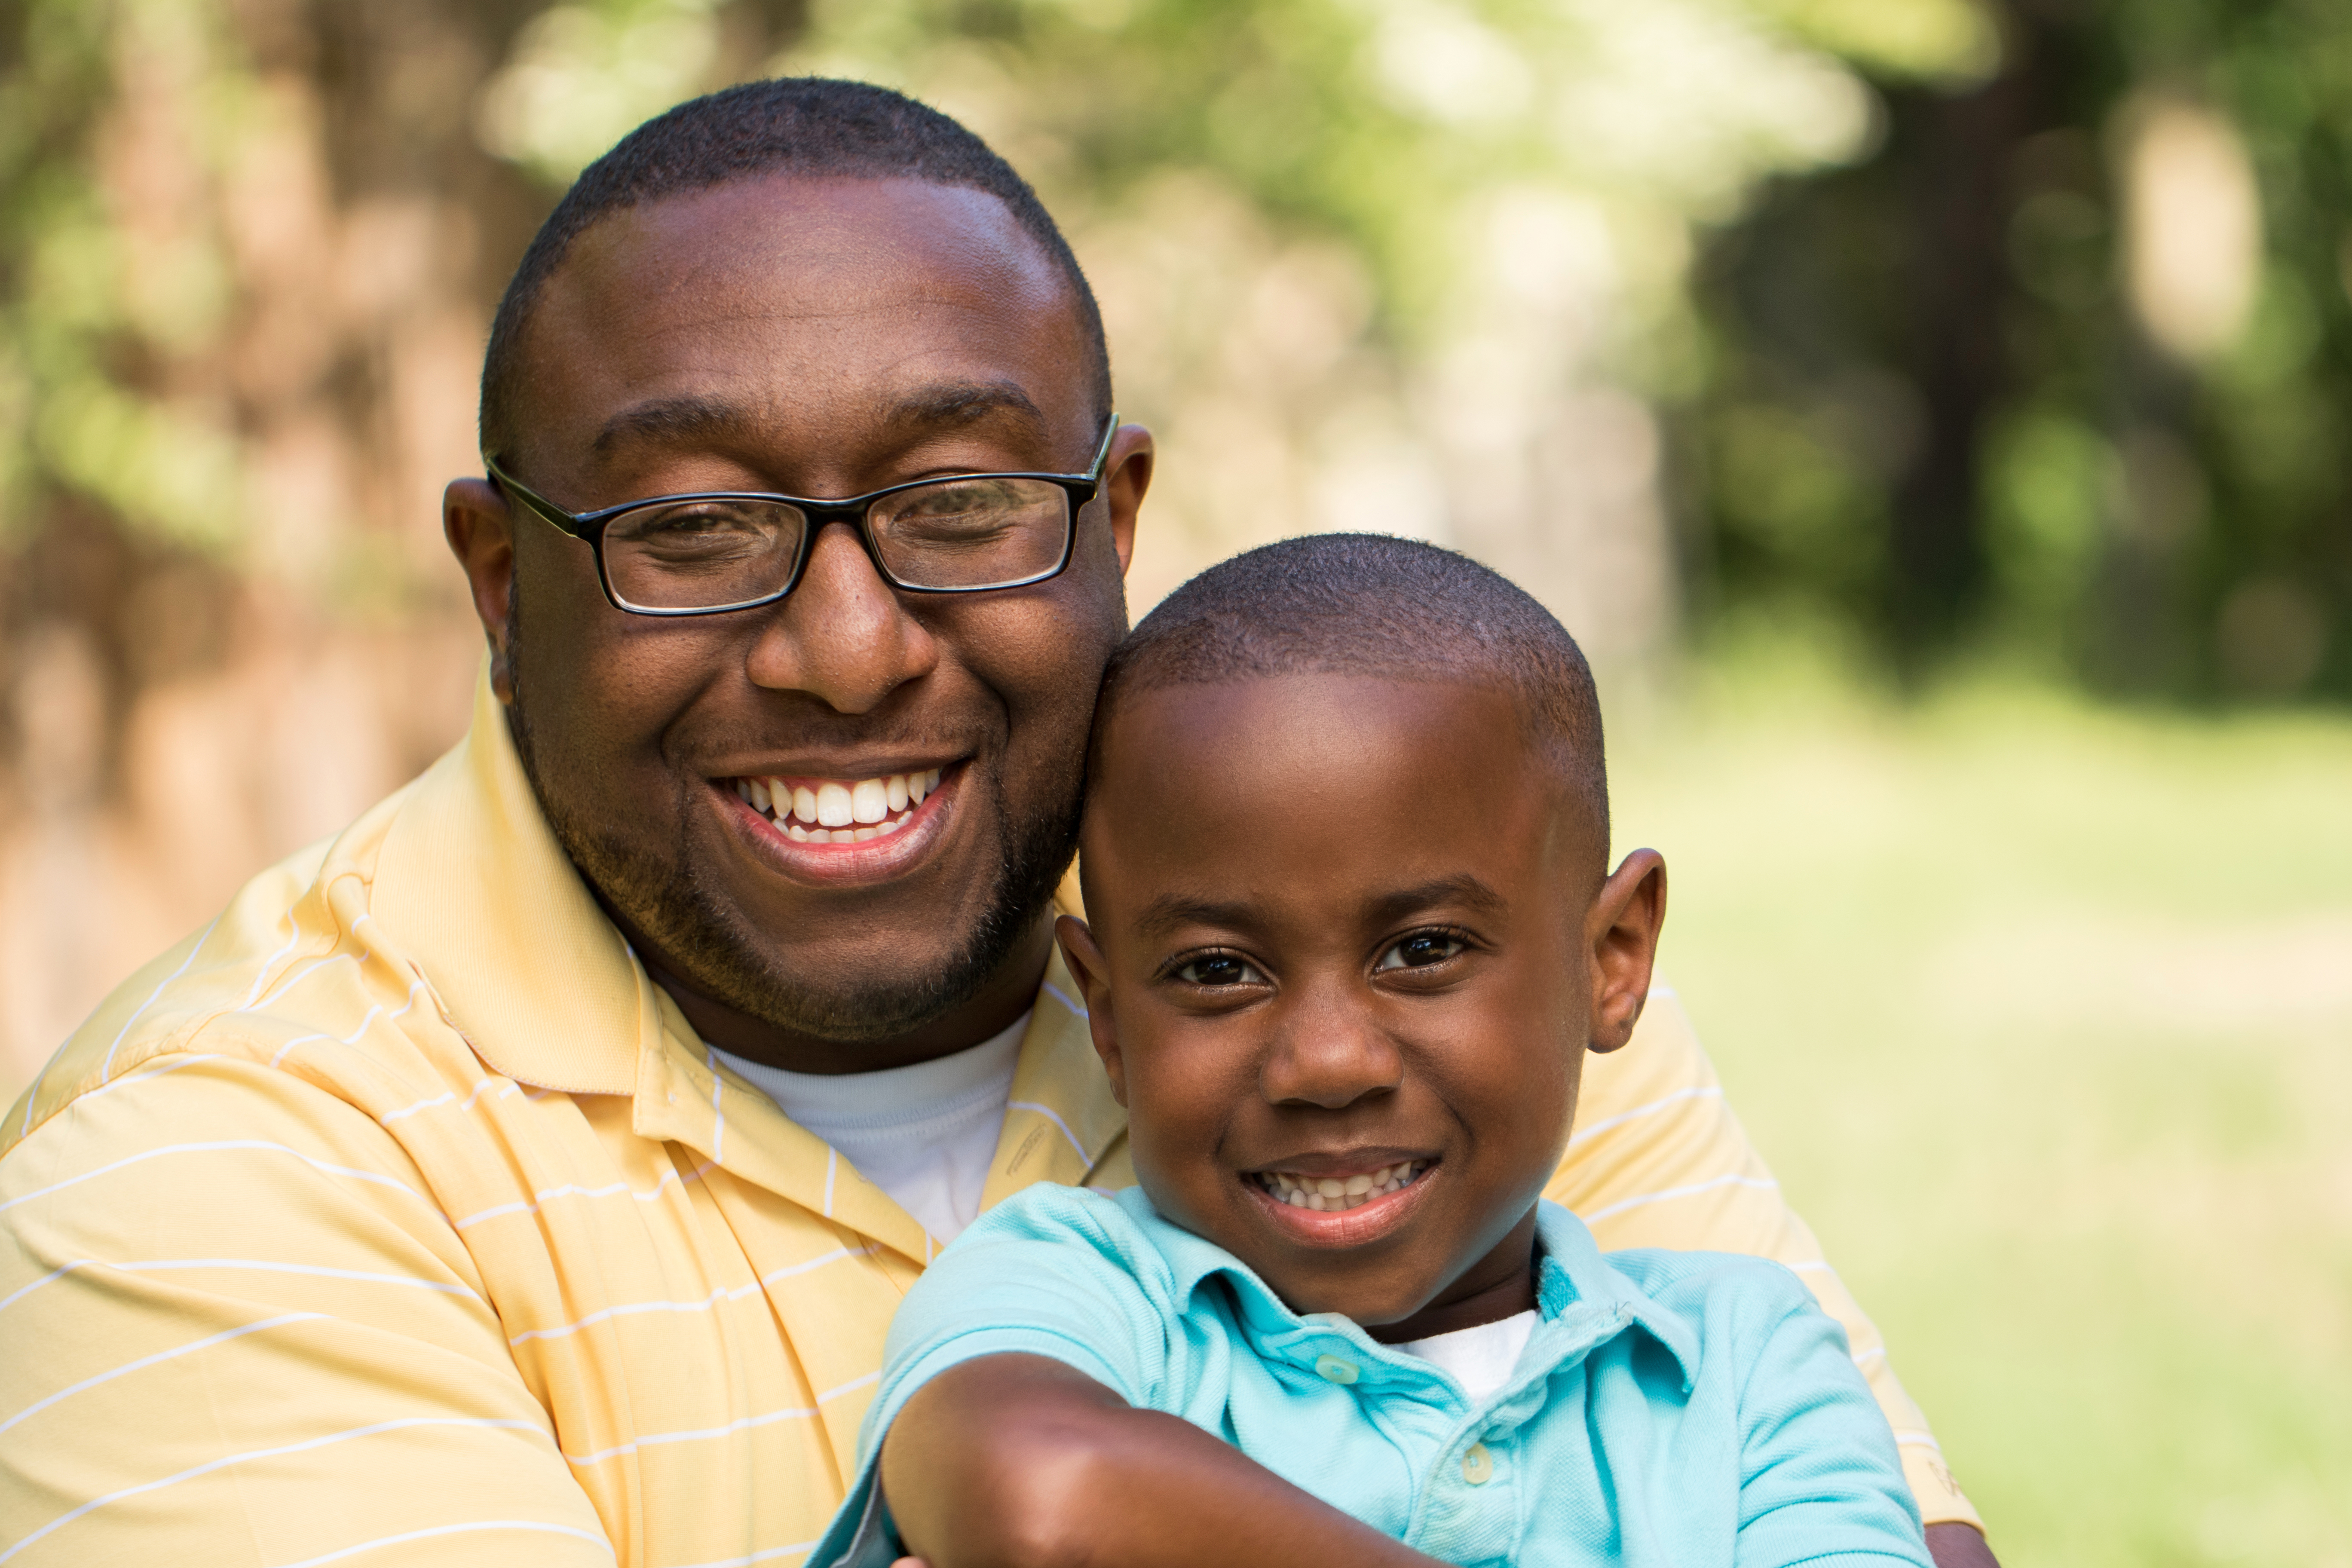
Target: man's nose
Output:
{"points": [[843, 635], [1331, 1054]]}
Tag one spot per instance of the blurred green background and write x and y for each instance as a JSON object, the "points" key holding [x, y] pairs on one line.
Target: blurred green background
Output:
{"points": [[1928, 412]]}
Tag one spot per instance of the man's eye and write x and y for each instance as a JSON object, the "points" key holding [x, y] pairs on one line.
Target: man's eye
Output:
{"points": [[1420, 950], [1220, 969]]}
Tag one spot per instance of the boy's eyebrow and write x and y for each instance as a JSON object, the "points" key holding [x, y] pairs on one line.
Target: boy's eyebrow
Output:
{"points": [[1170, 911], [1461, 888]]}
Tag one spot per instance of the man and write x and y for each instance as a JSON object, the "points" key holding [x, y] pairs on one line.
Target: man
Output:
{"points": [[440, 1201]]}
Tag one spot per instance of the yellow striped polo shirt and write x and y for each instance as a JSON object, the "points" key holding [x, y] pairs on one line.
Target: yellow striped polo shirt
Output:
{"points": [[397, 1218]]}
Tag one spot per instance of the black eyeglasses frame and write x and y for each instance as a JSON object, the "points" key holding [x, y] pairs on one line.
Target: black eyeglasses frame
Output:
{"points": [[855, 511]]}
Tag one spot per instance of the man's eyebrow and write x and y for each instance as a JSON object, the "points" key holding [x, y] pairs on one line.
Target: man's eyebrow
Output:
{"points": [[672, 419], [963, 401]]}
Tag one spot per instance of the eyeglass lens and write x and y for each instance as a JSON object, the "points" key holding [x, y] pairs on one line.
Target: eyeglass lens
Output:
{"points": [[977, 533]]}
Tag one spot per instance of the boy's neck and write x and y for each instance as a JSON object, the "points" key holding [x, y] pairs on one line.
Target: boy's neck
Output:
{"points": [[1500, 1284]]}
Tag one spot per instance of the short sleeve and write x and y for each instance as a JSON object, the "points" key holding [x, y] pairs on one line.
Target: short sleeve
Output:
{"points": [[1820, 1480]]}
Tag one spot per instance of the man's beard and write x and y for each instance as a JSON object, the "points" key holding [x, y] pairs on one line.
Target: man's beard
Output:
{"points": [[713, 949]]}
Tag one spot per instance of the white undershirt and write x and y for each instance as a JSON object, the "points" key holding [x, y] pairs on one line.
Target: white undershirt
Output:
{"points": [[923, 1133], [1481, 1359]]}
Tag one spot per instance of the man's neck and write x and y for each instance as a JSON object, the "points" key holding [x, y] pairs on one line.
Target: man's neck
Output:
{"points": [[1010, 992]]}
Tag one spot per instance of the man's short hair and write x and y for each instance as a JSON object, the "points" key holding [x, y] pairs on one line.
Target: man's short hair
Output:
{"points": [[1365, 604], [812, 126]]}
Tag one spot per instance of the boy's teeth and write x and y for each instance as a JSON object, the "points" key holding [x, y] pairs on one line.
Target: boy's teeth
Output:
{"points": [[837, 812], [1331, 1194]]}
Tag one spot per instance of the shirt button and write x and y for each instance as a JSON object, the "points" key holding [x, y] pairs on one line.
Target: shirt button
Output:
{"points": [[1333, 1370], [1477, 1465]]}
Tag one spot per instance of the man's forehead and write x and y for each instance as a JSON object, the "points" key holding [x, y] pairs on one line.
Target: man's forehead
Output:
{"points": [[894, 302], [813, 246]]}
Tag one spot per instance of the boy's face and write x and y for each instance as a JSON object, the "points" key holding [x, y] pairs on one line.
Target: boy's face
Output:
{"points": [[1352, 931]]}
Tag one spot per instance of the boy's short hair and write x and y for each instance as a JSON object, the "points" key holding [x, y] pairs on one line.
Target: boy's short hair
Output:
{"points": [[1366, 604]]}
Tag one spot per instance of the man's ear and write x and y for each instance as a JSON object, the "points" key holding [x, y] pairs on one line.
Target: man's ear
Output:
{"points": [[1127, 474], [480, 526], [1620, 938], [1092, 971]]}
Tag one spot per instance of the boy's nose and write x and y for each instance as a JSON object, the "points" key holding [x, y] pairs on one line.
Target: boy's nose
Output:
{"points": [[1329, 1055]]}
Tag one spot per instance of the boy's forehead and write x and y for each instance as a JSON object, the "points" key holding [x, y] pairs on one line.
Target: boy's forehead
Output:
{"points": [[1240, 729], [1227, 766]]}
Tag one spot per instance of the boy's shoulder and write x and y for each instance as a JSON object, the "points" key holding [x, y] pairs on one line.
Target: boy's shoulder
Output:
{"points": [[1066, 1231], [1721, 1299], [1048, 1211], [1683, 1280]]}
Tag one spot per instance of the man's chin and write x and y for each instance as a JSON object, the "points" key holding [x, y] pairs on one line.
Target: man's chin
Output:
{"points": [[929, 957], [846, 992]]}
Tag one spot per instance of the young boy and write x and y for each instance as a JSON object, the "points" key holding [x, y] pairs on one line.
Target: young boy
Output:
{"points": [[1351, 929]]}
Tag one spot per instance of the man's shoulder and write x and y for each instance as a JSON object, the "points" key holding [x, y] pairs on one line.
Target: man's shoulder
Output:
{"points": [[288, 976]]}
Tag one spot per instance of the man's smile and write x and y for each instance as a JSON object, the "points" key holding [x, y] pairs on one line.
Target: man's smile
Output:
{"points": [[839, 811], [839, 830]]}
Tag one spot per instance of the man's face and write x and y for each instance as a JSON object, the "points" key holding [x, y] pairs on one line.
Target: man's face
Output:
{"points": [[819, 338], [1340, 937]]}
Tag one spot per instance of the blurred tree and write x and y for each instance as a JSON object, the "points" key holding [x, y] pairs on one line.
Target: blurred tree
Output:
{"points": [[247, 252], [1411, 265], [2065, 368], [2039, 334]]}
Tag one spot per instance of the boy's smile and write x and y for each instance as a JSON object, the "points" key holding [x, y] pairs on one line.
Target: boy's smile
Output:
{"points": [[1346, 956]]}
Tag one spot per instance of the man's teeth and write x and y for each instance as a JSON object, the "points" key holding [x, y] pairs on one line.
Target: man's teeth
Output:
{"points": [[826, 811], [1333, 1194]]}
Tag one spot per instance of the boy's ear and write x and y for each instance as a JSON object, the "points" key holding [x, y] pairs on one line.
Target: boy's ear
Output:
{"points": [[1092, 971], [1620, 937]]}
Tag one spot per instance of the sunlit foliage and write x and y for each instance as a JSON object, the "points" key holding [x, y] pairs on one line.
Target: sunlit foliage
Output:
{"points": [[2061, 373]]}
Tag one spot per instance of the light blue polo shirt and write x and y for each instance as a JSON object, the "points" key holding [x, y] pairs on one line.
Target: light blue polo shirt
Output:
{"points": [[1671, 1409]]}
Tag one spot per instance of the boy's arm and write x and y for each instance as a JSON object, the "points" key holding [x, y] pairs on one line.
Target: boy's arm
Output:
{"points": [[1019, 1461], [1658, 1159]]}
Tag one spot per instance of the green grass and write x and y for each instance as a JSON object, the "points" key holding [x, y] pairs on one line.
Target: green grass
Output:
{"points": [[2042, 1012]]}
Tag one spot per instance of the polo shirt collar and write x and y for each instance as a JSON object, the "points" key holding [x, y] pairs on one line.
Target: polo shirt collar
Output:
{"points": [[1573, 1272], [472, 885], [1575, 1288]]}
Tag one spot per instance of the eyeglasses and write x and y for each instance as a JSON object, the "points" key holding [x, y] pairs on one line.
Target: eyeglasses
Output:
{"points": [[704, 554]]}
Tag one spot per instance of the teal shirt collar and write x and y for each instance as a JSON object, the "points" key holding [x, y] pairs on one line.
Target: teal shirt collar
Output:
{"points": [[1578, 1295]]}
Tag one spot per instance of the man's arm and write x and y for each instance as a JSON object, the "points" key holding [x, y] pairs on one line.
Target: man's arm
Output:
{"points": [[239, 1332], [1658, 1159], [1019, 1461]]}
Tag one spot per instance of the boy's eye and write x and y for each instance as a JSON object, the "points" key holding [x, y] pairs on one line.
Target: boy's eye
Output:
{"points": [[1220, 969], [1420, 950]]}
